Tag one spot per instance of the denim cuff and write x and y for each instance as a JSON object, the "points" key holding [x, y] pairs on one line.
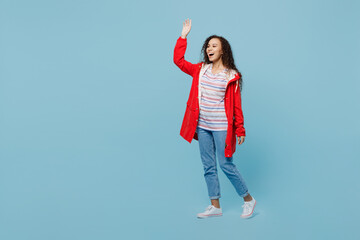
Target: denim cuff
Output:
{"points": [[245, 194], [216, 197]]}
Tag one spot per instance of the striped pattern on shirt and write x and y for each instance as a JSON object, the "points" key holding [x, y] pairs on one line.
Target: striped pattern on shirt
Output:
{"points": [[212, 109]]}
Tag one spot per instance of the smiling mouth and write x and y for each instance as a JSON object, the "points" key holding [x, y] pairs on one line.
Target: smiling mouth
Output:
{"points": [[211, 54]]}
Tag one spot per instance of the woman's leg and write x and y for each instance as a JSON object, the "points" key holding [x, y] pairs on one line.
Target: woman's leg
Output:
{"points": [[228, 167], [208, 158]]}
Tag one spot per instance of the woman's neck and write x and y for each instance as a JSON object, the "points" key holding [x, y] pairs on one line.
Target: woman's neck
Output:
{"points": [[218, 65]]}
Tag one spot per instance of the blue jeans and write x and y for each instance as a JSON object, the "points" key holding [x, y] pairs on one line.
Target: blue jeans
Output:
{"points": [[209, 143]]}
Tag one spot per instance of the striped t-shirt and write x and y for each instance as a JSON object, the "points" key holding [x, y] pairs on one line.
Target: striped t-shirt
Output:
{"points": [[212, 110]]}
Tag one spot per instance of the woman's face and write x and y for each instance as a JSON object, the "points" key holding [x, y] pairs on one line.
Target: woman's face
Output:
{"points": [[214, 50]]}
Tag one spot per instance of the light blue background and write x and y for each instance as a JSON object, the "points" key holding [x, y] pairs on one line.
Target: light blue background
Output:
{"points": [[91, 106]]}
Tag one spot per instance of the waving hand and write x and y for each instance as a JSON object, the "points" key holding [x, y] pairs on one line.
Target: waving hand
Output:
{"points": [[186, 28]]}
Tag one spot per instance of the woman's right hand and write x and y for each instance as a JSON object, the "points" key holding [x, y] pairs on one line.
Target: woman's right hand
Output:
{"points": [[186, 28]]}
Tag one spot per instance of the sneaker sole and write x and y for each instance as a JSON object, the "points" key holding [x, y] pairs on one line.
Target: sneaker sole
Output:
{"points": [[248, 216], [211, 215]]}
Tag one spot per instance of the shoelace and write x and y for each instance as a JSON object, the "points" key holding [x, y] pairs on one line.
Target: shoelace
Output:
{"points": [[209, 207], [247, 206]]}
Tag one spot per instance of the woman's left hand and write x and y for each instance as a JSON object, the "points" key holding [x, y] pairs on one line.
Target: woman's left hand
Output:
{"points": [[241, 139]]}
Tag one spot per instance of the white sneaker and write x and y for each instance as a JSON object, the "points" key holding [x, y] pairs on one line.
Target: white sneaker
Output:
{"points": [[248, 208], [210, 211]]}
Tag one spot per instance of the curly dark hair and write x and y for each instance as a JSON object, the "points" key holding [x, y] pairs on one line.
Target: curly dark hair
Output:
{"points": [[227, 57]]}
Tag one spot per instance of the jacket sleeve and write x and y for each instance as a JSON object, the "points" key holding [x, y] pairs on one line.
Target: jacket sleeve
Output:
{"points": [[238, 114], [179, 59]]}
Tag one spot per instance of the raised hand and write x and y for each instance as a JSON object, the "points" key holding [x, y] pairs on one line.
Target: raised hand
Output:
{"points": [[186, 28]]}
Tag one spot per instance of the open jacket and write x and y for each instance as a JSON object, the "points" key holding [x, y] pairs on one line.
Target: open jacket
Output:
{"points": [[232, 100]]}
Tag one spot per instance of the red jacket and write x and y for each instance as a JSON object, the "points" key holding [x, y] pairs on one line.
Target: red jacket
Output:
{"points": [[232, 100]]}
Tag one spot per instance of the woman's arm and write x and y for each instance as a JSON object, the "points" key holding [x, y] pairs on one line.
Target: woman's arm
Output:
{"points": [[180, 49], [238, 114]]}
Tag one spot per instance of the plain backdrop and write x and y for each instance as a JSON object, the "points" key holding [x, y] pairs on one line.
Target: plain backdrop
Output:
{"points": [[91, 106]]}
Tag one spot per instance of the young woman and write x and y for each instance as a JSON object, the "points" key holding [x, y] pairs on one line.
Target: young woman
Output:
{"points": [[214, 116]]}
